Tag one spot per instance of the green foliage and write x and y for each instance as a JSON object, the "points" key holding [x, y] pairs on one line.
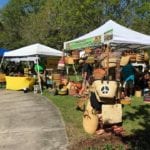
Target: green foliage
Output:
{"points": [[136, 116], [52, 22]]}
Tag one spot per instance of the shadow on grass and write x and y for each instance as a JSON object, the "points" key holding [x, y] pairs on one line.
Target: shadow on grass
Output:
{"points": [[140, 139]]}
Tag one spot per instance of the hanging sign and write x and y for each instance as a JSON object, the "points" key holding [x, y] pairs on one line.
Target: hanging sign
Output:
{"points": [[108, 35], [89, 42]]}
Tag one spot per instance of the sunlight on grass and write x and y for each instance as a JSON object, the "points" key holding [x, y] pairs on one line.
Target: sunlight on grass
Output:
{"points": [[135, 117]]}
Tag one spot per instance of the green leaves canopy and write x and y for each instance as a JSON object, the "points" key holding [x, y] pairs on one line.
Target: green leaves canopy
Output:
{"points": [[52, 22]]}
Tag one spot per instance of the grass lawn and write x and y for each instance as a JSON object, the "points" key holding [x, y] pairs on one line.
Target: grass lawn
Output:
{"points": [[136, 120], [72, 117]]}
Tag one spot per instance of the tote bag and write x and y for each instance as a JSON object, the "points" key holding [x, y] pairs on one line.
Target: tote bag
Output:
{"points": [[105, 89], [111, 113]]}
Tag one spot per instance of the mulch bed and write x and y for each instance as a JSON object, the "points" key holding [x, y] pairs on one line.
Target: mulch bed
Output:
{"points": [[99, 142], [112, 141]]}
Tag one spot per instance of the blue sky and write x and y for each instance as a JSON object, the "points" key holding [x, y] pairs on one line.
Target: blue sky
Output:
{"points": [[3, 3]]}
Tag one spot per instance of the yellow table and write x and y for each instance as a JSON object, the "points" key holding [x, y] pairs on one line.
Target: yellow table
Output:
{"points": [[19, 83]]}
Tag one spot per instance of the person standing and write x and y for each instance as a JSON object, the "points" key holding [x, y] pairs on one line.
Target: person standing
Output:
{"points": [[86, 75], [41, 73], [128, 78]]}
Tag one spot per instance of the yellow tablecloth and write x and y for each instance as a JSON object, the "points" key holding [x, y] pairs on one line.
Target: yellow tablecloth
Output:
{"points": [[19, 83]]}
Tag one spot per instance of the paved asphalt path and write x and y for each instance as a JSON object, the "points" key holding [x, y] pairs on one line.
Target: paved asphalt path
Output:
{"points": [[30, 122]]}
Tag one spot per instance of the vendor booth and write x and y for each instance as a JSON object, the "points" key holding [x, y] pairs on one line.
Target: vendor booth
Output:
{"points": [[27, 53], [115, 39], [108, 49], [110, 33]]}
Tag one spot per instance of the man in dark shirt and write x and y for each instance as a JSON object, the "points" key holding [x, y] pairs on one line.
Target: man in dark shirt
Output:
{"points": [[128, 75], [86, 74]]}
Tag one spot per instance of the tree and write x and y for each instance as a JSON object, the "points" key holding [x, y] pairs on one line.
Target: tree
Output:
{"points": [[13, 16], [52, 22]]}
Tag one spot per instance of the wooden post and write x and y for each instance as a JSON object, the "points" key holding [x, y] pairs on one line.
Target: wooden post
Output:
{"points": [[107, 57]]}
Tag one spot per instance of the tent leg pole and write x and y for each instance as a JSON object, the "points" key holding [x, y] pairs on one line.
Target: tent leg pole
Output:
{"points": [[39, 78], [1, 62], [39, 81]]}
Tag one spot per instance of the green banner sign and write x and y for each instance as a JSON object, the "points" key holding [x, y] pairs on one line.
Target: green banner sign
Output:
{"points": [[89, 42]]}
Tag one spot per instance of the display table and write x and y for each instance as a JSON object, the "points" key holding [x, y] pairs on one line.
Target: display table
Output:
{"points": [[19, 83]]}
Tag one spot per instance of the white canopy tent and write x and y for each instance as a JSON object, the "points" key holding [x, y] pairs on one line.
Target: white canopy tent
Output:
{"points": [[30, 58], [110, 33], [32, 51]]}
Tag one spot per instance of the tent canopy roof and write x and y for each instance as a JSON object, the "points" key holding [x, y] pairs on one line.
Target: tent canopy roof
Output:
{"points": [[115, 33], [32, 50]]}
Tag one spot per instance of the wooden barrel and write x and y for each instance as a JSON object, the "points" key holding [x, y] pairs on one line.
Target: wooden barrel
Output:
{"points": [[75, 55], [56, 78]]}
